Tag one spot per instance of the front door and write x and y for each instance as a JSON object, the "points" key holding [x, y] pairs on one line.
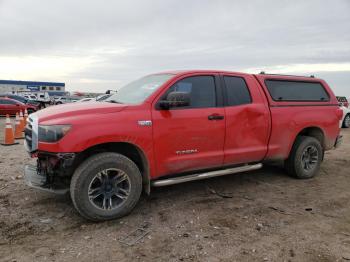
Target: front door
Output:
{"points": [[191, 137]]}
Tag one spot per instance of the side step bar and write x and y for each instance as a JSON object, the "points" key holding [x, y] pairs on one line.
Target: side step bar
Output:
{"points": [[177, 180]]}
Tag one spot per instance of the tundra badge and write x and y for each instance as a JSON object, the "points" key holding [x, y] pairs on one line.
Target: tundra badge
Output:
{"points": [[144, 122], [185, 152]]}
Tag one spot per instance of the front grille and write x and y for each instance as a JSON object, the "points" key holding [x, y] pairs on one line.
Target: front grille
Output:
{"points": [[31, 133]]}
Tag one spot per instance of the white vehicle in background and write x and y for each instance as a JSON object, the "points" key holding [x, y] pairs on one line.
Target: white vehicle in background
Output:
{"points": [[64, 100], [103, 97], [30, 97], [344, 105], [346, 117], [87, 99], [43, 97]]}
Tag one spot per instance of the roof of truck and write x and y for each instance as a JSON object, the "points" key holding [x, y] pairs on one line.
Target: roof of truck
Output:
{"points": [[180, 72], [282, 76]]}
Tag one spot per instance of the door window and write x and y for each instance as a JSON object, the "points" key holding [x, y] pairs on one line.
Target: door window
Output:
{"points": [[237, 92], [201, 89]]}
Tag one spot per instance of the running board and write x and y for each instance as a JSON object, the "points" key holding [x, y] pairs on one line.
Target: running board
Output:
{"points": [[182, 179]]}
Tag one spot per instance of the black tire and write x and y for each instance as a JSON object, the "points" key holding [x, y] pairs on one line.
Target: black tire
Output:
{"points": [[30, 111], [84, 176], [346, 122], [297, 163]]}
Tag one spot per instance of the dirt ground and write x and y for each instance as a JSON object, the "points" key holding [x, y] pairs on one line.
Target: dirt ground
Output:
{"points": [[258, 216]]}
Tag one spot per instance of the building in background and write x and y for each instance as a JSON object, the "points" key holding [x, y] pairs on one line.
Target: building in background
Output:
{"points": [[13, 86]]}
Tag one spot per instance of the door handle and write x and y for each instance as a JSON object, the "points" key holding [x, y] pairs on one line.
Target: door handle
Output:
{"points": [[215, 117]]}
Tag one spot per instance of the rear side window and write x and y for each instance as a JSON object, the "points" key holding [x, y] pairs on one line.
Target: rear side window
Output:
{"points": [[281, 90], [237, 92], [201, 89]]}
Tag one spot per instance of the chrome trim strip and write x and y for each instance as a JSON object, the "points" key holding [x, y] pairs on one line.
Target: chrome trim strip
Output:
{"points": [[177, 180]]}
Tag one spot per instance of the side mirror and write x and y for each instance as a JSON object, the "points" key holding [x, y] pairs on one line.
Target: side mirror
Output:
{"points": [[175, 99]]}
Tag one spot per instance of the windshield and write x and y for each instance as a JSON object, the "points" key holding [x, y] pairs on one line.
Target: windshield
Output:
{"points": [[137, 91]]}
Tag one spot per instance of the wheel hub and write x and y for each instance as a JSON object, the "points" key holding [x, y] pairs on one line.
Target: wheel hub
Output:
{"points": [[109, 189], [309, 158]]}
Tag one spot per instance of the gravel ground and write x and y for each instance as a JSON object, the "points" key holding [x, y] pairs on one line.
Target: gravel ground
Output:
{"points": [[258, 216]]}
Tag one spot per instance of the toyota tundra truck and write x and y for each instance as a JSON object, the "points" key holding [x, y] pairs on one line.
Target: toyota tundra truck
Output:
{"points": [[179, 126]]}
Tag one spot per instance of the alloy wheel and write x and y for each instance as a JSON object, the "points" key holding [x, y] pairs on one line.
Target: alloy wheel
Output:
{"points": [[309, 158], [109, 189]]}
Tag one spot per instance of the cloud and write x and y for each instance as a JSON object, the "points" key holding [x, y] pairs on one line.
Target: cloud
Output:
{"points": [[45, 68], [302, 68], [94, 45]]}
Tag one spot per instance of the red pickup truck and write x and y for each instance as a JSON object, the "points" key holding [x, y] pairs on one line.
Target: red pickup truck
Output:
{"points": [[180, 126]]}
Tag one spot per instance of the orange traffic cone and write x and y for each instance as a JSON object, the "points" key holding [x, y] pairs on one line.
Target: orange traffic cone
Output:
{"points": [[25, 117], [18, 128], [9, 138], [21, 119]]}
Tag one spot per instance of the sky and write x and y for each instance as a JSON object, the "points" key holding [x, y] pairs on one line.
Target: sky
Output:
{"points": [[98, 45]]}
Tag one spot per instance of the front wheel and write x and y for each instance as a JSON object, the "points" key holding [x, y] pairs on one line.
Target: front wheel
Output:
{"points": [[106, 186], [305, 158], [346, 122]]}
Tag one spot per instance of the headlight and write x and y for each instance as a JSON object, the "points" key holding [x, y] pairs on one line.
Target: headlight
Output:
{"points": [[52, 133]]}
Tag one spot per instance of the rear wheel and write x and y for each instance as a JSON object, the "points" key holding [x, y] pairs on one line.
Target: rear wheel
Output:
{"points": [[106, 186], [305, 158], [346, 122]]}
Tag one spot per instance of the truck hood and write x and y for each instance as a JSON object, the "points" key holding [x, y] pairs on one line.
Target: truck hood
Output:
{"points": [[72, 109]]}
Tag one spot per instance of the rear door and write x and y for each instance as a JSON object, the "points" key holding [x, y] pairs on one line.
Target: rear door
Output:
{"points": [[192, 137], [247, 119]]}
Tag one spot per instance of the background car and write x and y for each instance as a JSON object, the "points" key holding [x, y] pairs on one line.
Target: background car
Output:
{"points": [[101, 98], [11, 106], [87, 99], [30, 97], [64, 100], [344, 105], [346, 117], [22, 100], [343, 101]]}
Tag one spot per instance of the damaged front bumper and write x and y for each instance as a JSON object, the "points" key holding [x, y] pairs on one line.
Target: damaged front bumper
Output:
{"points": [[35, 180], [52, 172]]}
